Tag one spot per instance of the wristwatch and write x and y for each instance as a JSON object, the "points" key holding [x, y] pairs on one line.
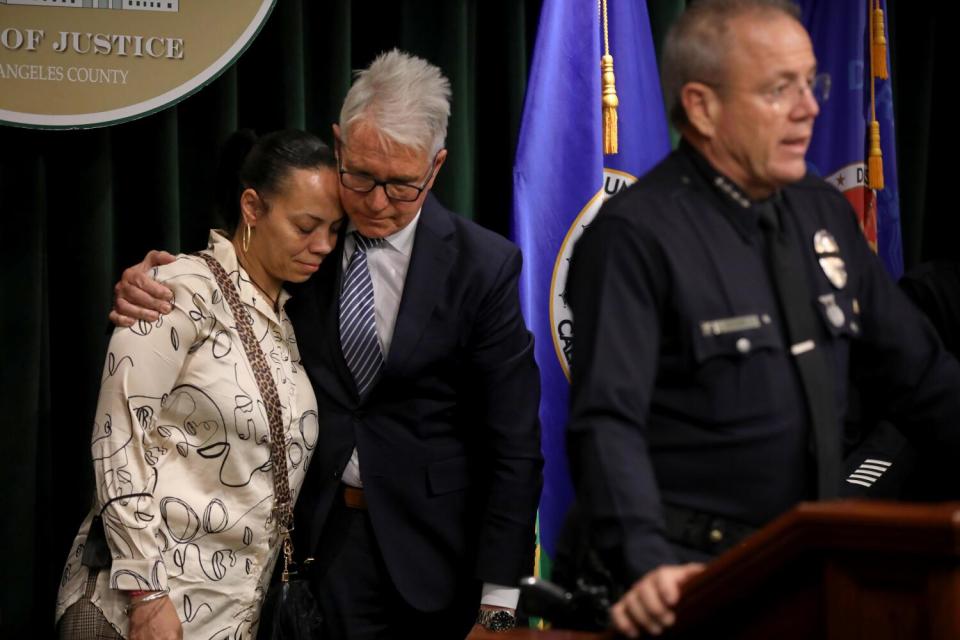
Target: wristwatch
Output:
{"points": [[496, 619]]}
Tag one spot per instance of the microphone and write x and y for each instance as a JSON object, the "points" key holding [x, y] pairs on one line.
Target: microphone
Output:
{"points": [[584, 609]]}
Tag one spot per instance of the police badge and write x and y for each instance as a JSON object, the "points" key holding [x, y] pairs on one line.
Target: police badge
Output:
{"points": [[829, 257]]}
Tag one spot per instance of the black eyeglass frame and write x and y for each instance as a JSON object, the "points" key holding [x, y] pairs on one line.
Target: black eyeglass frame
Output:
{"points": [[374, 183]]}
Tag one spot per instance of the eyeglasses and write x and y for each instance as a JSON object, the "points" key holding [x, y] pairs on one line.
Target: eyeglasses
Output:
{"points": [[789, 93], [396, 191]]}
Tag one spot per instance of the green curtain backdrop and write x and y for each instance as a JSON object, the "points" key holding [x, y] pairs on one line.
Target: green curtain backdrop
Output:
{"points": [[76, 207]]}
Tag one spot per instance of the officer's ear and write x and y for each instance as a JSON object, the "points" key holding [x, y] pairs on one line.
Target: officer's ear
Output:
{"points": [[702, 106]]}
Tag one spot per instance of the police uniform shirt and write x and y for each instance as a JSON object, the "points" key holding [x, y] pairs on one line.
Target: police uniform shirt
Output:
{"points": [[683, 387]]}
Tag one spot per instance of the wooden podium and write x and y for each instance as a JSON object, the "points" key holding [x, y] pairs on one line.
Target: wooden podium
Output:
{"points": [[839, 571]]}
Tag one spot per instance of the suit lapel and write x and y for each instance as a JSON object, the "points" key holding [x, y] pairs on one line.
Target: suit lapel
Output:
{"points": [[430, 262]]}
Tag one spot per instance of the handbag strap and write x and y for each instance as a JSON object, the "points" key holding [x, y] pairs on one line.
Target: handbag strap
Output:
{"points": [[283, 504]]}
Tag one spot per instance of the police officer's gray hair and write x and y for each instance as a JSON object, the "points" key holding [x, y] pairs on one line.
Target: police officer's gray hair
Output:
{"points": [[404, 97], [695, 47]]}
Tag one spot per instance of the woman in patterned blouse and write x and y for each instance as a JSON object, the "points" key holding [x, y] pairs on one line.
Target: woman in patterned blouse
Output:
{"points": [[182, 520]]}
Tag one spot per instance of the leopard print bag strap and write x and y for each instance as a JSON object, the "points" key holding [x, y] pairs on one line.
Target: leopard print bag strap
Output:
{"points": [[283, 504]]}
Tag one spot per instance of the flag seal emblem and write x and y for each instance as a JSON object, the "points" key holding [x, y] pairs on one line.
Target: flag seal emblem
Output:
{"points": [[561, 318]]}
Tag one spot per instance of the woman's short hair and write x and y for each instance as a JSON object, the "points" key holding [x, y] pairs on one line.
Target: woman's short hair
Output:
{"points": [[404, 97], [262, 164], [696, 45]]}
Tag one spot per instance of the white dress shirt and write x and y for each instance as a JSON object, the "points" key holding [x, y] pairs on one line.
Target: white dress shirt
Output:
{"points": [[388, 265]]}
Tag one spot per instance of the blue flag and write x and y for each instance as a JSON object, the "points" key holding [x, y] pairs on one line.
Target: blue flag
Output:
{"points": [[841, 34], [562, 176]]}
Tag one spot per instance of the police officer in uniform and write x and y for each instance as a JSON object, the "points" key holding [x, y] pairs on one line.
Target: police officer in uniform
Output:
{"points": [[720, 305]]}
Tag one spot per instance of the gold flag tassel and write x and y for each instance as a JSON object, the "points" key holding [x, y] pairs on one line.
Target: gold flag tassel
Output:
{"points": [[610, 104], [878, 50], [875, 161], [609, 88], [875, 155]]}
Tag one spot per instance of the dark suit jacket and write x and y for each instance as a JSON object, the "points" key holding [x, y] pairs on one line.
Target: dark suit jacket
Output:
{"points": [[448, 436]]}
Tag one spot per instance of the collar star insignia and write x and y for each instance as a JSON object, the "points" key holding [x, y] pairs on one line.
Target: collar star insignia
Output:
{"points": [[731, 191]]}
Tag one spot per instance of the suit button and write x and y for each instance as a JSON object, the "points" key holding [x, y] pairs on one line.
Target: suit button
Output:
{"points": [[716, 535], [743, 345]]}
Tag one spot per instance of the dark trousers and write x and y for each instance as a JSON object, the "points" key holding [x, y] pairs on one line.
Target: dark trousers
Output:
{"points": [[358, 599]]}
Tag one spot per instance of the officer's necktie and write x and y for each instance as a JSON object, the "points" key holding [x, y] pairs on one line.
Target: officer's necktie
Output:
{"points": [[797, 308], [358, 326]]}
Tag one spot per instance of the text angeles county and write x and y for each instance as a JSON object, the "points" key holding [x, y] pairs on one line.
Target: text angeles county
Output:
{"points": [[80, 43]]}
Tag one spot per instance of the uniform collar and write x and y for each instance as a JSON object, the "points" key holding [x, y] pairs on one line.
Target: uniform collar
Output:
{"points": [[737, 206]]}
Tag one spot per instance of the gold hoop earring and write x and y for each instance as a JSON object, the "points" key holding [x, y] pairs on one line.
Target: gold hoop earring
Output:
{"points": [[247, 232]]}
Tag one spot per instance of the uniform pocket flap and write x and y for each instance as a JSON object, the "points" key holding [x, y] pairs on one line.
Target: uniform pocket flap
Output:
{"points": [[736, 336]]}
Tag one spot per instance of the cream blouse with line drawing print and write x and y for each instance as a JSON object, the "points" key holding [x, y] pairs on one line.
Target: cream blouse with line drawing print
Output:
{"points": [[180, 417]]}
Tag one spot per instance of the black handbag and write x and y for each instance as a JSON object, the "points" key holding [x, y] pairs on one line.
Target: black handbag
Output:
{"points": [[289, 610]]}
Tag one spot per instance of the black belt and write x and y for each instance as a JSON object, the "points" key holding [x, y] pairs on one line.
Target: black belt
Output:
{"points": [[703, 531]]}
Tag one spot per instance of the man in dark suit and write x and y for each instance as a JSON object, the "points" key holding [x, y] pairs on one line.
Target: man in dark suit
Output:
{"points": [[444, 440], [421, 497], [720, 303]]}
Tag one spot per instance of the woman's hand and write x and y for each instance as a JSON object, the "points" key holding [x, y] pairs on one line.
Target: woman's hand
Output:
{"points": [[155, 620]]}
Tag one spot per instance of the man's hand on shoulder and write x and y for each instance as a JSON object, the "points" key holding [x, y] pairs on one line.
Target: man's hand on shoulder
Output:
{"points": [[648, 605], [138, 296]]}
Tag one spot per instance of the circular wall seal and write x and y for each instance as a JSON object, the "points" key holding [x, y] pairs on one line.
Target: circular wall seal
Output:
{"points": [[91, 63]]}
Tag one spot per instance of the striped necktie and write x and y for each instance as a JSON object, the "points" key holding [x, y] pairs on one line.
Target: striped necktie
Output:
{"points": [[358, 326]]}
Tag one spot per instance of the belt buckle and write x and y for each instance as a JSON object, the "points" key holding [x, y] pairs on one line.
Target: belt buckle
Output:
{"points": [[716, 533]]}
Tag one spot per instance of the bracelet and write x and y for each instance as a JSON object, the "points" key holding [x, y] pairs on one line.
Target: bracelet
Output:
{"points": [[138, 594], [156, 595]]}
